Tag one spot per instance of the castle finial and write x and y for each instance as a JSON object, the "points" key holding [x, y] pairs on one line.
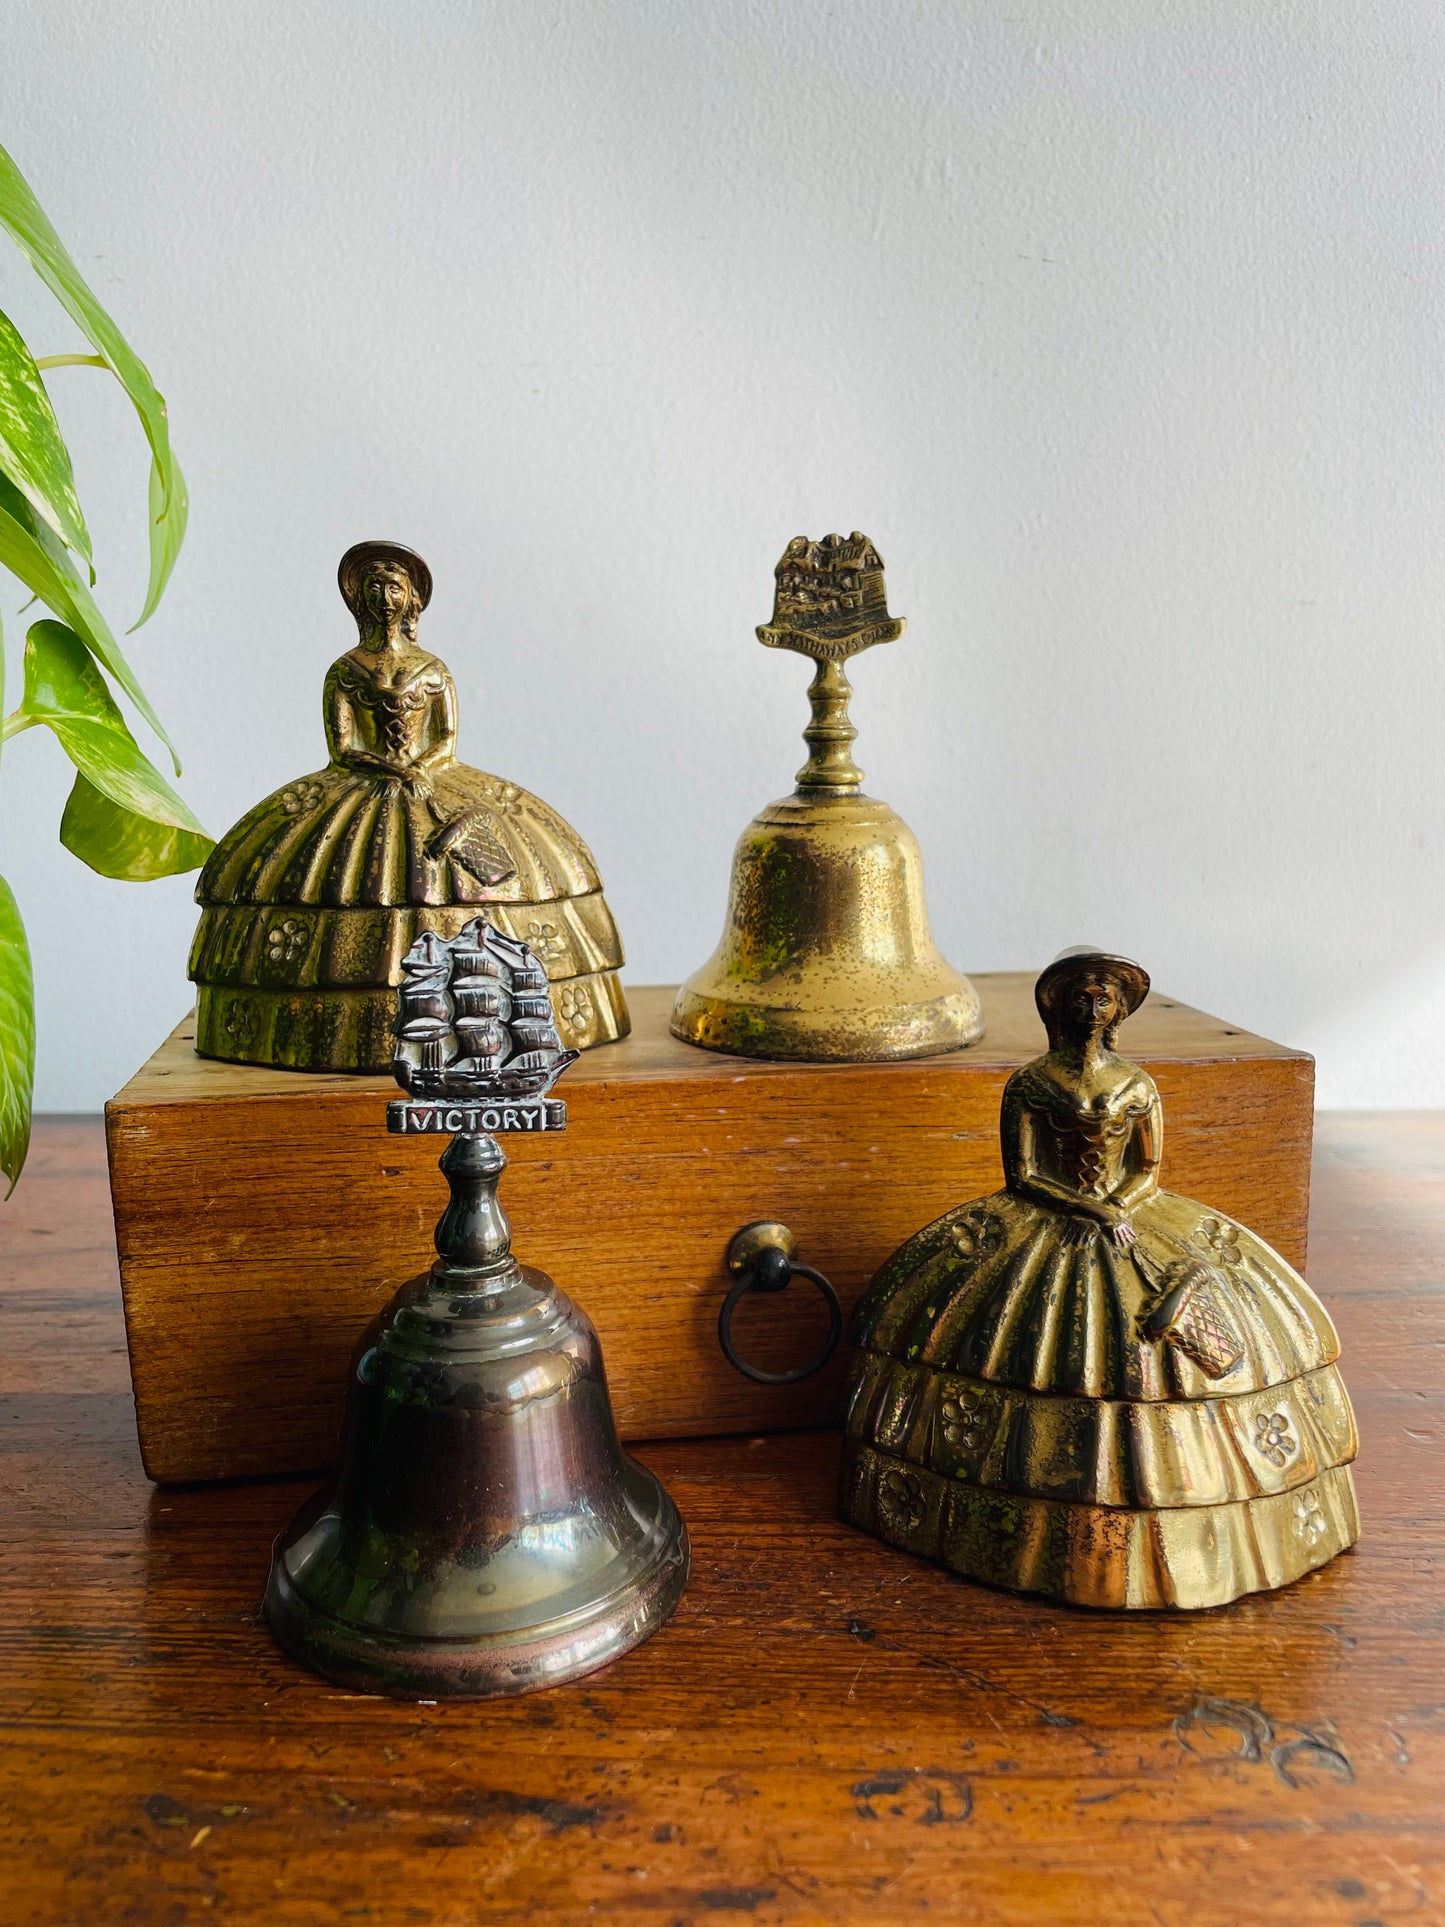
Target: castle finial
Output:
{"points": [[830, 602]]}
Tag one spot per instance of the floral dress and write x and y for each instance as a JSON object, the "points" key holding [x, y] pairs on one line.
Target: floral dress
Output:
{"points": [[1042, 1403]]}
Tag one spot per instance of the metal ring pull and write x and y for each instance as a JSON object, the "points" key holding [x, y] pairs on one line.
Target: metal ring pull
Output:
{"points": [[763, 1257]]}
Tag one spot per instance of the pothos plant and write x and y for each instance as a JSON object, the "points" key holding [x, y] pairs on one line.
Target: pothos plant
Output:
{"points": [[122, 817]]}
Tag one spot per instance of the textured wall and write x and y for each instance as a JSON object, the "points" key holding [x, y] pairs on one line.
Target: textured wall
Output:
{"points": [[1118, 327]]}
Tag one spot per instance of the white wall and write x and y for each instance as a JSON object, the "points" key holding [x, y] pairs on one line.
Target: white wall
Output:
{"points": [[1117, 325]]}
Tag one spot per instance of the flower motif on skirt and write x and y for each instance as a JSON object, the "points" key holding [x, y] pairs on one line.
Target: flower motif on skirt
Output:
{"points": [[542, 939], [574, 1008], [302, 796], [239, 1022], [976, 1234], [900, 1500], [963, 1418], [287, 939], [1273, 1439], [1310, 1523], [1220, 1239]]}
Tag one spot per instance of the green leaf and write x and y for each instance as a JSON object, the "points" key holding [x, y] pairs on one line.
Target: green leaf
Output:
{"points": [[17, 1037], [30, 549], [32, 450], [123, 818], [121, 843], [168, 531], [23, 215]]}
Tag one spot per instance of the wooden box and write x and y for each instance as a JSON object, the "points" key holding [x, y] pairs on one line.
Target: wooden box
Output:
{"points": [[263, 1216]]}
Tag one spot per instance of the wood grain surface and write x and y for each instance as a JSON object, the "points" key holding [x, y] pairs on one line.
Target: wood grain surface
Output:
{"points": [[827, 1731], [263, 1216]]}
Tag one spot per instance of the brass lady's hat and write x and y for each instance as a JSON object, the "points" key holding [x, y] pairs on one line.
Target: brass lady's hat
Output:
{"points": [[352, 568], [1130, 979], [826, 951]]}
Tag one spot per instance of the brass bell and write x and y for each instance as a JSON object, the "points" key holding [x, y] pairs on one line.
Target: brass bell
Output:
{"points": [[486, 1533], [309, 902], [1087, 1386], [826, 951]]}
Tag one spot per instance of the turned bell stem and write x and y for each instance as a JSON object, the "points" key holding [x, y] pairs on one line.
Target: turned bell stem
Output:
{"points": [[473, 1236], [830, 735]]}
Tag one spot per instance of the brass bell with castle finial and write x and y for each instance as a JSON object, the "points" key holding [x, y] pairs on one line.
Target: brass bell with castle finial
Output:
{"points": [[827, 951], [485, 1533]]}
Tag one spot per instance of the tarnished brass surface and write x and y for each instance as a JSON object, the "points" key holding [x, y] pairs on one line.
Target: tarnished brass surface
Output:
{"points": [[826, 949], [1085, 1385], [310, 902], [1094, 1556]]}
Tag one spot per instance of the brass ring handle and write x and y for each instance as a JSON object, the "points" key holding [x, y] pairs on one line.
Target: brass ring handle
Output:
{"points": [[763, 1257]]}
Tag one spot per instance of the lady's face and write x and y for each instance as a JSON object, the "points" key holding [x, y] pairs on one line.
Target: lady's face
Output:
{"points": [[1093, 1005], [385, 591]]}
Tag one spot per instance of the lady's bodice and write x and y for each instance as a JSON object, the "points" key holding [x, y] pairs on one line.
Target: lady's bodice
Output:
{"points": [[1084, 1122], [397, 710]]}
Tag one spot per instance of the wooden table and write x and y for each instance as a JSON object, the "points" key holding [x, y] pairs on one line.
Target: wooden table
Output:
{"points": [[826, 1731]]}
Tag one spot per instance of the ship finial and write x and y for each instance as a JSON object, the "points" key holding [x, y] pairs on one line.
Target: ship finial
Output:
{"points": [[474, 1019]]}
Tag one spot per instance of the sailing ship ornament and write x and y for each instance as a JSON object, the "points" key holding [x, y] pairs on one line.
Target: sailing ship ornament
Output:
{"points": [[310, 902], [826, 951], [1085, 1386], [486, 1533], [475, 1010]]}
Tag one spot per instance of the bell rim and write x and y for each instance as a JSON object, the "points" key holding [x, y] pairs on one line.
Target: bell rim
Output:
{"points": [[750, 1026], [551, 1653]]}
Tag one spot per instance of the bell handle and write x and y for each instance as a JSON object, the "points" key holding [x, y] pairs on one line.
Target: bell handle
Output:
{"points": [[830, 735], [763, 1258], [473, 1238]]}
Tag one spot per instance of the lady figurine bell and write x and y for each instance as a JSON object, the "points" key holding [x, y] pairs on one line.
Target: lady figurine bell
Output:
{"points": [[486, 1533], [1085, 1386], [309, 903]]}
